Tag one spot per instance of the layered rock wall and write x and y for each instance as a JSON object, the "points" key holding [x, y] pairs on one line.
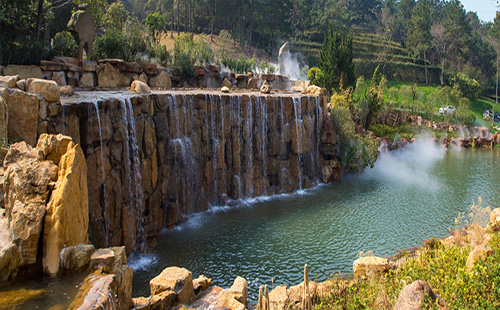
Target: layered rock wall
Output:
{"points": [[154, 159]]}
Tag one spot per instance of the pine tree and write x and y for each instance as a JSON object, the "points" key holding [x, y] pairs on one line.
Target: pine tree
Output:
{"points": [[419, 32], [336, 60]]}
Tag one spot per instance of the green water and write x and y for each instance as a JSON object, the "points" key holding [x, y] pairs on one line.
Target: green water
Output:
{"points": [[409, 196]]}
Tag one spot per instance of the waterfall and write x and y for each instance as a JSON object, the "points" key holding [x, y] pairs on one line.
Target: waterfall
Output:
{"points": [[261, 111], [103, 169], [215, 144], [299, 134], [249, 150], [131, 150]]}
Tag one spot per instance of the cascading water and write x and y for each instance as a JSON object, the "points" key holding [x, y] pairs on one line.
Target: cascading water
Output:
{"points": [[134, 173], [249, 189], [299, 134], [103, 170]]}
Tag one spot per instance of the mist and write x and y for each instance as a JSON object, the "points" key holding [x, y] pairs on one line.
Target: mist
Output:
{"points": [[410, 165]]}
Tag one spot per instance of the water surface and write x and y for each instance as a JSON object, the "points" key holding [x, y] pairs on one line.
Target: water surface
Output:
{"points": [[409, 196]]}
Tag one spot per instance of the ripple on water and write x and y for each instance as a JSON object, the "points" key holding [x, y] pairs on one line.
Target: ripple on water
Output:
{"points": [[328, 226]]}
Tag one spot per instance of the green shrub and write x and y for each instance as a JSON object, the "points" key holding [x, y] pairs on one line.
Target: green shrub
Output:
{"points": [[110, 45], [64, 44], [24, 51], [315, 75], [266, 67], [160, 53], [239, 65], [469, 87], [189, 52], [137, 42]]}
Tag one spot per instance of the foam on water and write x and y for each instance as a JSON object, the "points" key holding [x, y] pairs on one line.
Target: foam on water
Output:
{"points": [[141, 262]]}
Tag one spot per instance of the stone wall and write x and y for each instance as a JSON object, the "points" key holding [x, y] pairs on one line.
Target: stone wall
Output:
{"points": [[154, 159]]}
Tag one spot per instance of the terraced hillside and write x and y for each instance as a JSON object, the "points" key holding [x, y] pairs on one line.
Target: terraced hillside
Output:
{"points": [[371, 50]]}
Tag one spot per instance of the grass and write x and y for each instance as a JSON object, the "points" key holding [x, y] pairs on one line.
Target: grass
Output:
{"points": [[442, 266]]}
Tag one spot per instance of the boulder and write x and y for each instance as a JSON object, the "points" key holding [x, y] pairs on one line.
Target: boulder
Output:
{"points": [[87, 80], [75, 258], [161, 301], [265, 88], [217, 298], [88, 65], [49, 90], [143, 78], [67, 90], [239, 289], [21, 84], [24, 72], [28, 181], [108, 76], [201, 283], [23, 115], [226, 83], [314, 90], [10, 258], [225, 89], [67, 212], [478, 252], [413, 296], [162, 80], [4, 123], [102, 259], [59, 77], [278, 297], [494, 223], [140, 87], [9, 81], [174, 279], [368, 265], [95, 293]]}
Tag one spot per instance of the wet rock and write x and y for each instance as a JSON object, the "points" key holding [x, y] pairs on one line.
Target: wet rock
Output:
{"points": [[217, 298], [49, 90], [23, 115], [413, 296], [97, 292], [174, 279], [102, 259], [13, 299]]}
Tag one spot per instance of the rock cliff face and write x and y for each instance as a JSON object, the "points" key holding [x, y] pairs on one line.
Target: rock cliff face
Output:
{"points": [[155, 158]]}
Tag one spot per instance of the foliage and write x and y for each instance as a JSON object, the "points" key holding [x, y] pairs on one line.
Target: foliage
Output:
{"points": [[315, 75], [115, 17], [112, 44], [266, 67], [405, 130], [64, 44], [356, 151], [375, 95], [189, 52], [137, 42], [405, 72], [156, 26], [419, 32], [160, 53], [469, 87], [336, 60], [97, 9], [239, 65]]}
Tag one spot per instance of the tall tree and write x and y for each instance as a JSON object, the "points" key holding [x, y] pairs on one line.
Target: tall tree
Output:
{"points": [[336, 60], [419, 32], [494, 35], [438, 42], [457, 30]]}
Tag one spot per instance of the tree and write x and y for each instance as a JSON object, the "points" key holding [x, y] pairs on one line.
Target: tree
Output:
{"points": [[156, 25], [336, 60], [375, 95], [419, 32], [494, 36], [115, 16], [438, 41], [457, 29]]}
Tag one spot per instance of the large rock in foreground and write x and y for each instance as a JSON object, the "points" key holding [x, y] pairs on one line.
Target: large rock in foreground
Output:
{"points": [[67, 212], [178, 280], [23, 115], [413, 296]]}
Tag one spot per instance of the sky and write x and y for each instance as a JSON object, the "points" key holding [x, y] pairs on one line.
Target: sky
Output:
{"points": [[485, 9]]}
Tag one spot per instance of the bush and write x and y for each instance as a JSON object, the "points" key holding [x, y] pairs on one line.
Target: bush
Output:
{"points": [[266, 67], [239, 65], [469, 87], [25, 51], [110, 45], [137, 43], [189, 52], [315, 75], [64, 44], [160, 53]]}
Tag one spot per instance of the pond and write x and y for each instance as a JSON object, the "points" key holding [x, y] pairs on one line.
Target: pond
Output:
{"points": [[409, 196]]}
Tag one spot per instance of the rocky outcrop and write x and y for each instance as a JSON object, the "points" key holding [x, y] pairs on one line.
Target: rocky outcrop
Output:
{"points": [[239, 289], [45, 190], [9, 81], [23, 115], [4, 123], [175, 279], [413, 296], [67, 215], [49, 90], [110, 285], [162, 80], [108, 76], [368, 266]]}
